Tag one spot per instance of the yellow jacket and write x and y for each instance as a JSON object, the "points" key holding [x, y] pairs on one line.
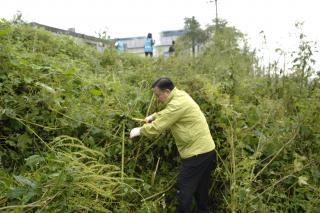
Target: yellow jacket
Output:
{"points": [[187, 123]]}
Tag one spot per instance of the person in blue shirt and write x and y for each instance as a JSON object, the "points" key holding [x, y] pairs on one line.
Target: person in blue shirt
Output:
{"points": [[148, 45], [119, 46]]}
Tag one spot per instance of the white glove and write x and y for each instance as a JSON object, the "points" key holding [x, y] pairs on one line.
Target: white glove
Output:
{"points": [[135, 132], [148, 119]]}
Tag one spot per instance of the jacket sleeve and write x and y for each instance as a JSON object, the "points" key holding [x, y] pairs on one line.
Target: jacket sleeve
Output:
{"points": [[163, 120]]}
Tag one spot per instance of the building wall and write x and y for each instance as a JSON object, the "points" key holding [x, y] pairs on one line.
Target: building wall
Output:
{"points": [[134, 44], [166, 38]]}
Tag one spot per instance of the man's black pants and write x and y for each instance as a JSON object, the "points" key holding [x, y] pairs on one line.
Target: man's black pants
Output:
{"points": [[194, 181]]}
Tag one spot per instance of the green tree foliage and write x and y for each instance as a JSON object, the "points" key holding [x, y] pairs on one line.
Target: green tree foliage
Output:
{"points": [[194, 35]]}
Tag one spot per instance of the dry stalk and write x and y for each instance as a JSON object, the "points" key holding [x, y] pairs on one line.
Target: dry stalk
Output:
{"points": [[155, 172]]}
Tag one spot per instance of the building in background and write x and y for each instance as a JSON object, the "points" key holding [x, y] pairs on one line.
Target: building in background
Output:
{"points": [[98, 43], [136, 44], [133, 45], [166, 38]]}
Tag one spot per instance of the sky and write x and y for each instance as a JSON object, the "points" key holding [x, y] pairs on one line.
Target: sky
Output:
{"points": [[129, 18]]}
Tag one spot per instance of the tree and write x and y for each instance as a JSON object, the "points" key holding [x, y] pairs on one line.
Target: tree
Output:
{"points": [[194, 35]]}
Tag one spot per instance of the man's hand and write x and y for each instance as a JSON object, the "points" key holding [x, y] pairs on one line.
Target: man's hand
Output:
{"points": [[135, 132], [148, 119]]}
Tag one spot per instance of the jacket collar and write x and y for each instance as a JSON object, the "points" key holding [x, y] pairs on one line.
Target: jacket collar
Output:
{"points": [[172, 93]]}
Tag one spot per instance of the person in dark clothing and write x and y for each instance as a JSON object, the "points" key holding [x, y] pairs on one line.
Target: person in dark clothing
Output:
{"points": [[194, 180], [172, 48]]}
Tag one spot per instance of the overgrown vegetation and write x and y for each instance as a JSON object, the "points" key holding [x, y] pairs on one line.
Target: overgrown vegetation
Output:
{"points": [[66, 110]]}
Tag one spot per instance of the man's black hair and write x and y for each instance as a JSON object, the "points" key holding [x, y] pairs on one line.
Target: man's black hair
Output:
{"points": [[163, 83]]}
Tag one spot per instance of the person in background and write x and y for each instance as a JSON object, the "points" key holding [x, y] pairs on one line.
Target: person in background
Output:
{"points": [[148, 45], [172, 48], [189, 127], [119, 45]]}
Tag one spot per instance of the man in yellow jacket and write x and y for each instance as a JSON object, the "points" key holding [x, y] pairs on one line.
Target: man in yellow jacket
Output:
{"points": [[189, 127]]}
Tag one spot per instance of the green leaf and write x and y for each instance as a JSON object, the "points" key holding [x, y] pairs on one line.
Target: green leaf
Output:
{"points": [[70, 72], [16, 193], [96, 92], [28, 196], [24, 141], [303, 180], [34, 160], [297, 165], [24, 181], [11, 143], [4, 31]]}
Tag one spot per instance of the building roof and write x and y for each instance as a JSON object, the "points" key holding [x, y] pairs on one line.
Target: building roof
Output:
{"points": [[170, 33], [68, 32], [130, 38]]}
